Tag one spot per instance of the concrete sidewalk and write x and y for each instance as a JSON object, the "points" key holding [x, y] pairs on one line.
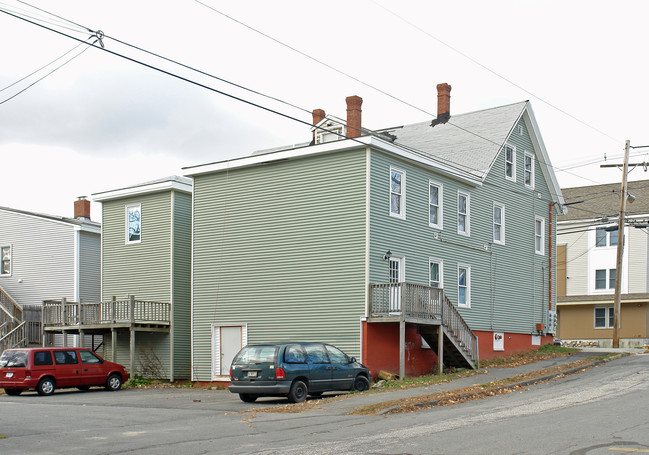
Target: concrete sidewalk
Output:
{"points": [[485, 375]]}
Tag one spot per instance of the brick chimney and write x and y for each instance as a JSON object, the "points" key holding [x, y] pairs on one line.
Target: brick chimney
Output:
{"points": [[318, 115], [82, 208], [443, 104], [354, 116]]}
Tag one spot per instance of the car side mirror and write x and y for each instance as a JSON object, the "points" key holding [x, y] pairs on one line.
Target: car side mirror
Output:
{"points": [[352, 360]]}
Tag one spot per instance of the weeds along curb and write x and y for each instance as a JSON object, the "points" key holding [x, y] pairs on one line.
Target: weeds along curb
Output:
{"points": [[514, 385]]}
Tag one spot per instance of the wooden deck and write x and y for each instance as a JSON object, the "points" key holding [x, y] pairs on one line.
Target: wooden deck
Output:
{"points": [[425, 307]]}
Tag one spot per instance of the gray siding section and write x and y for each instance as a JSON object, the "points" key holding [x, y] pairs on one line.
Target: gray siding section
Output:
{"points": [[89, 266], [281, 246], [637, 263], [42, 258], [576, 258], [182, 284], [509, 288]]}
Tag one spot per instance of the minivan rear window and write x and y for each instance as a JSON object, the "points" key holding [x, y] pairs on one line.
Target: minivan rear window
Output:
{"points": [[13, 359], [42, 358], [256, 354]]}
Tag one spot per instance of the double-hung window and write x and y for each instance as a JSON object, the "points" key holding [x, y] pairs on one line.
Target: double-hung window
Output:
{"points": [[134, 223], [5, 258], [529, 170], [435, 273], [605, 279], [604, 317], [463, 286], [539, 235], [462, 213], [499, 223], [510, 163], [397, 193], [605, 238], [435, 205]]}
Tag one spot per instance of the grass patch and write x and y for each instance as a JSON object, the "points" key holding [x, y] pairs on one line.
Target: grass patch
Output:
{"points": [[547, 351]]}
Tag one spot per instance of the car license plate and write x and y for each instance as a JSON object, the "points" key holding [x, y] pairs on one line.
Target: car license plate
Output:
{"points": [[252, 374], [10, 375]]}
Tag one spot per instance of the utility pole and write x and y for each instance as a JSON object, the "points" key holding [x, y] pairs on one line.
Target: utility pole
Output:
{"points": [[617, 307]]}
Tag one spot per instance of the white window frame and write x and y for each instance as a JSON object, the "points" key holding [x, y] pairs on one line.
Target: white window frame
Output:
{"points": [[500, 241], [609, 281], [11, 260], [402, 195], [513, 162], [126, 216], [539, 235], [467, 215], [440, 205], [531, 170], [607, 317], [467, 286], [440, 268]]}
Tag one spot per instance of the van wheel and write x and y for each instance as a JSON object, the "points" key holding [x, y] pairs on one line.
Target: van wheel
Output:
{"points": [[361, 384], [46, 386], [114, 382], [13, 392], [298, 392], [248, 397]]}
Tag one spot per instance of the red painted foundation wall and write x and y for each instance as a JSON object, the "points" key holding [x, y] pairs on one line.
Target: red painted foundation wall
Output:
{"points": [[381, 348]]}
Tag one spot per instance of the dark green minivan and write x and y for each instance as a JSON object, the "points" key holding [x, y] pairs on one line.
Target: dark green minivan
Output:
{"points": [[295, 370]]}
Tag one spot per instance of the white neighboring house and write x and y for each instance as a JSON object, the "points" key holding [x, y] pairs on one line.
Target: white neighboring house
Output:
{"points": [[587, 240], [46, 257]]}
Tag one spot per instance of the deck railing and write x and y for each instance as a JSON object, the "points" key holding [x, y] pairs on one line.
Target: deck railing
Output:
{"points": [[415, 301], [64, 313], [12, 332]]}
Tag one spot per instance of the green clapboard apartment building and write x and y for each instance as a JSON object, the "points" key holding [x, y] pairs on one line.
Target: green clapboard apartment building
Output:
{"points": [[145, 276], [406, 247]]}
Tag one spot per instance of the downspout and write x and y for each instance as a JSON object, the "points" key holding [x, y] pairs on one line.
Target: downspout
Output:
{"points": [[550, 259]]}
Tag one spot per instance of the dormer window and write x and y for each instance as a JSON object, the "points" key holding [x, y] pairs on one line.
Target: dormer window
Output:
{"points": [[330, 130]]}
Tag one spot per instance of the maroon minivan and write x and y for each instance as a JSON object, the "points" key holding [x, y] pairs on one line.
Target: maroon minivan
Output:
{"points": [[46, 369]]}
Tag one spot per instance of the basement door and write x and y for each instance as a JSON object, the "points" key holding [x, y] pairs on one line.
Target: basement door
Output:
{"points": [[227, 341], [397, 269]]}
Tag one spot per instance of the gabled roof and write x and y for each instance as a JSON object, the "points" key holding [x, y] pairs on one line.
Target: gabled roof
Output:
{"points": [[84, 224], [603, 201], [469, 141], [173, 182], [466, 147]]}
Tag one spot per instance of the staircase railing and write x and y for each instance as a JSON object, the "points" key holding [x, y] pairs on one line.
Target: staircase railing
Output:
{"points": [[11, 322], [454, 323]]}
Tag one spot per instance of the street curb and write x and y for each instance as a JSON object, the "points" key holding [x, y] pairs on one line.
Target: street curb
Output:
{"points": [[514, 385]]}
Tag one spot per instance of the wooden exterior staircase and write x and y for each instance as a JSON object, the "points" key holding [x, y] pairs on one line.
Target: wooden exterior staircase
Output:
{"points": [[12, 325], [437, 320]]}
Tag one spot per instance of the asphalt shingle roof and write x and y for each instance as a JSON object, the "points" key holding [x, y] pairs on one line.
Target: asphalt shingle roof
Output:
{"points": [[604, 201]]}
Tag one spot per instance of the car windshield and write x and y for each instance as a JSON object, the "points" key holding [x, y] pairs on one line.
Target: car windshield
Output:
{"points": [[13, 359], [256, 354]]}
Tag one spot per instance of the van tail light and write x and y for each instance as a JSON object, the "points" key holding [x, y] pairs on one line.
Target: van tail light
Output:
{"points": [[28, 374], [230, 373], [279, 373]]}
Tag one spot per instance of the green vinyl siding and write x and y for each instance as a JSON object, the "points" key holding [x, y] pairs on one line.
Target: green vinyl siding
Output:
{"points": [[182, 284], [150, 270], [508, 283], [281, 246], [140, 269]]}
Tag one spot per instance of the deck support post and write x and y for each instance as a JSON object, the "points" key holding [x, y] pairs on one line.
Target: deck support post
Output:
{"points": [[402, 349], [131, 301], [440, 349], [113, 344]]}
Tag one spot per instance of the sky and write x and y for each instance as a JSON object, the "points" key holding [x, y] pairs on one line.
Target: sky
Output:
{"points": [[102, 122]]}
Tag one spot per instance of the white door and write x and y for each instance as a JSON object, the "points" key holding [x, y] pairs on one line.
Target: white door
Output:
{"points": [[231, 343], [397, 275]]}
